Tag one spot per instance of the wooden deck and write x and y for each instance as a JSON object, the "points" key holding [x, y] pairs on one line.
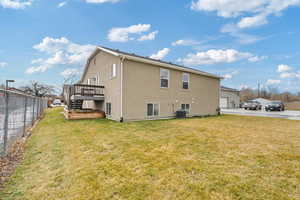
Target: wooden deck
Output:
{"points": [[83, 114]]}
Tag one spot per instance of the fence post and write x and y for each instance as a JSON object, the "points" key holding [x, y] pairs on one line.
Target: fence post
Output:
{"points": [[37, 109], [33, 105], [25, 116], [39, 106], [5, 122]]}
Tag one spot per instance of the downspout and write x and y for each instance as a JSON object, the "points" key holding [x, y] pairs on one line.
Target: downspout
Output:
{"points": [[122, 60]]}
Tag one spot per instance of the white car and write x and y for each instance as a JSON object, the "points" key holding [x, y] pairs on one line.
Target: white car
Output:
{"points": [[56, 103]]}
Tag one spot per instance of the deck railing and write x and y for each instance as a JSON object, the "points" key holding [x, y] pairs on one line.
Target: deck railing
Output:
{"points": [[82, 90], [88, 90]]}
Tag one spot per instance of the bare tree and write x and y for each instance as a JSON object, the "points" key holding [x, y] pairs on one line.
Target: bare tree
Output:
{"points": [[70, 79], [271, 93], [39, 89], [247, 94]]}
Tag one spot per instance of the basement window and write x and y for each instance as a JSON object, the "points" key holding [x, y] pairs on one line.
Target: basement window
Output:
{"points": [[186, 108], [108, 108], [152, 109]]}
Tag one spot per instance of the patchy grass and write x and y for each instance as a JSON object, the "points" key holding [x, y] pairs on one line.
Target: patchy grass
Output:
{"points": [[227, 157]]}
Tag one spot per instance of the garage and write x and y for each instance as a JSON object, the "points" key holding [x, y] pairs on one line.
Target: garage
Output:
{"points": [[230, 98], [223, 102]]}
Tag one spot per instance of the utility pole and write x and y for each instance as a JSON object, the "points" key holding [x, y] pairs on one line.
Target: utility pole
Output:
{"points": [[258, 90]]}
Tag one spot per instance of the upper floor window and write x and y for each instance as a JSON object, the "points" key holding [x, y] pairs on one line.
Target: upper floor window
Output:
{"points": [[185, 80], [98, 79], [164, 78], [93, 81], [113, 71]]}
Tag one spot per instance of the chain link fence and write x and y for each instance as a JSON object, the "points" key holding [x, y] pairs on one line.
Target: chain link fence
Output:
{"points": [[18, 112]]}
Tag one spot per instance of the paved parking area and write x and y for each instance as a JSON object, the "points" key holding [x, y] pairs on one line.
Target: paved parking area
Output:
{"points": [[288, 114]]}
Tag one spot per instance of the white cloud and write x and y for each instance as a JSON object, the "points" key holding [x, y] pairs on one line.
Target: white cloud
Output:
{"points": [[37, 69], [185, 42], [160, 54], [226, 8], [62, 4], [123, 34], [257, 11], [227, 76], [3, 64], [150, 36], [15, 4], [215, 56], [257, 20], [287, 75], [230, 75], [242, 38], [71, 72], [102, 1], [52, 45], [257, 58], [243, 87], [273, 82], [286, 72], [60, 51], [37, 61], [283, 68]]}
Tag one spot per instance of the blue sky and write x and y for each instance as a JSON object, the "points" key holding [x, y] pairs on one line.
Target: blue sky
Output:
{"points": [[257, 42]]}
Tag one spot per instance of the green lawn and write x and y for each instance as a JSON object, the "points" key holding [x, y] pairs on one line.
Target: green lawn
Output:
{"points": [[227, 157]]}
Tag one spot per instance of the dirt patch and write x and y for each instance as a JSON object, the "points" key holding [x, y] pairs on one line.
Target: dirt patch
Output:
{"points": [[8, 163]]}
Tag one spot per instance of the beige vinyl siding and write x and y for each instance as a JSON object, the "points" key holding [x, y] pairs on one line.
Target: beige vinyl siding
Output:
{"points": [[141, 85], [102, 68]]}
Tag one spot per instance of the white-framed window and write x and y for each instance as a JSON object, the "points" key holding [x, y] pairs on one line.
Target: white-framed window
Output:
{"points": [[113, 71], [108, 109], [93, 81], [185, 107], [185, 81], [98, 79], [164, 78], [152, 109], [88, 81]]}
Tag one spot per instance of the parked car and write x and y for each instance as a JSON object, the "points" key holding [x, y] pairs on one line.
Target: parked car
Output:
{"points": [[275, 106], [252, 105], [56, 103]]}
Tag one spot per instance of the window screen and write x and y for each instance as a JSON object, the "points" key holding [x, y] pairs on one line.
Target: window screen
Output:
{"points": [[164, 78], [185, 80]]}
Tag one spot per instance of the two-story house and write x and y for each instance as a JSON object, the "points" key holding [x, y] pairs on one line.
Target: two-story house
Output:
{"points": [[140, 88]]}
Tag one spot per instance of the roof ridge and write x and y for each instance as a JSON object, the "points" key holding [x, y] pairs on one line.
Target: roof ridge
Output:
{"points": [[160, 61]]}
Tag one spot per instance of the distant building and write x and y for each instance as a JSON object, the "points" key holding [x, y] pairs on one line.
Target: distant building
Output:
{"points": [[230, 98]]}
